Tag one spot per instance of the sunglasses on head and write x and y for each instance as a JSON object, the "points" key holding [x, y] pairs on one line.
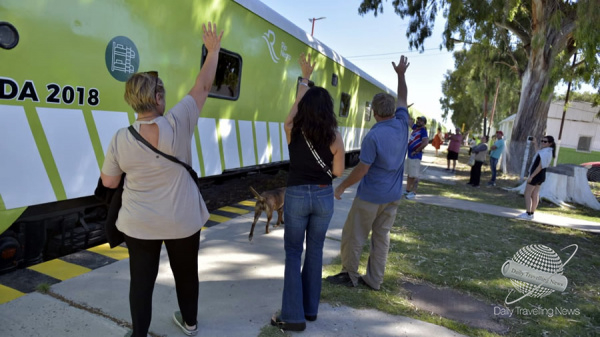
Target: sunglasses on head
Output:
{"points": [[155, 75]]}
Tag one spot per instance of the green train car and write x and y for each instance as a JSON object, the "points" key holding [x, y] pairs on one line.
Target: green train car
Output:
{"points": [[63, 64]]}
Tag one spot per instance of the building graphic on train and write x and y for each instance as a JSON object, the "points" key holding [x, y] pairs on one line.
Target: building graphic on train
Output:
{"points": [[63, 67]]}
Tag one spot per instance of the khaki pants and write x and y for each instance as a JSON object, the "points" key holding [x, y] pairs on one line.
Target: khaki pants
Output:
{"points": [[363, 218]]}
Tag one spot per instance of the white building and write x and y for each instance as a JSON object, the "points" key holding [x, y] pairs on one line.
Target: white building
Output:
{"points": [[581, 129]]}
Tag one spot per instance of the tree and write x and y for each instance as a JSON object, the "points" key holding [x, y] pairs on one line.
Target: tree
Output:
{"points": [[547, 31], [473, 82], [585, 96]]}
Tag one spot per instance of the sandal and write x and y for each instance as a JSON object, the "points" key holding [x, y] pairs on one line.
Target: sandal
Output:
{"points": [[276, 321]]}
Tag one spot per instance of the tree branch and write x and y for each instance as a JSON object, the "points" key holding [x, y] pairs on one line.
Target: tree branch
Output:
{"points": [[521, 34], [513, 67]]}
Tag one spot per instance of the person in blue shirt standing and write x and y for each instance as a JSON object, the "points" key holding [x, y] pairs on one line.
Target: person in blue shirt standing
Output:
{"points": [[495, 153], [380, 172], [417, 142]]}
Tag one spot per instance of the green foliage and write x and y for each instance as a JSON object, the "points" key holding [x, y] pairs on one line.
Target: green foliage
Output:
{"points": [[537, 37], [585, 96], [474, 77], [506, 26]]}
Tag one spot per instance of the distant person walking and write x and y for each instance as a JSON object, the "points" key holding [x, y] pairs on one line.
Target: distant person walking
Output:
{"points": [[380, 172], [480, 152], [416, 143], [537, 175], [437, 140], [454, 149], [496, 151], [472, 144]]}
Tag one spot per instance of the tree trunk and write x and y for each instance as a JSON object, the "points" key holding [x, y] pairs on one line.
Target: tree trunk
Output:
{"points": [[532, 114]]}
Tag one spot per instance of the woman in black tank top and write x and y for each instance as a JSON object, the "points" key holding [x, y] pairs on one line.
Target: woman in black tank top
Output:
{"points": [[316, 156]]}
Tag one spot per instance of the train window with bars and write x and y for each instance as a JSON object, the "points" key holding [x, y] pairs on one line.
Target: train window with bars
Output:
{"points": [[584, 144], [228, 76], [345, 105], [368, 111]]}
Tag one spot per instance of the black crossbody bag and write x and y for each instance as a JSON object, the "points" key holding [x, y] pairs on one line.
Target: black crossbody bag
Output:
{"points": [[112, 197], [190, 170]]}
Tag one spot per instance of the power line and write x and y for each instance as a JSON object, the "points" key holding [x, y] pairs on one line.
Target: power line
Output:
{"points": [[412, 57], [384, 54]]}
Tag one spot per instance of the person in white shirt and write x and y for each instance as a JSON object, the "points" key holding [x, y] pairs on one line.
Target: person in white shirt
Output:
{"points": [[537, 175]]}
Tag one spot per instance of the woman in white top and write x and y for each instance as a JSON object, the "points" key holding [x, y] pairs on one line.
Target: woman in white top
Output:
{"points": [[161, 202], [537, 175]]}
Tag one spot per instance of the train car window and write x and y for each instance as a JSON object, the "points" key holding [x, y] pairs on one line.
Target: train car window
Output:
{"points": [[228, 77], [368, 111], [9, 37], [334, 80], [344, 105]]}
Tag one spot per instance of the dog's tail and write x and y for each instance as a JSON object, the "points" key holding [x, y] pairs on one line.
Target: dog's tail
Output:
{"points": [[258, 196]]}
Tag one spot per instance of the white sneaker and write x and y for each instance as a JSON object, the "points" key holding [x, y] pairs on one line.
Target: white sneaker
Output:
{"points": [[525, 216], [178, 319], [410, 195]]}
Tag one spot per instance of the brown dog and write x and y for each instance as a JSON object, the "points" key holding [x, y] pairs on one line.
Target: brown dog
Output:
{"points": [[268, 201]]}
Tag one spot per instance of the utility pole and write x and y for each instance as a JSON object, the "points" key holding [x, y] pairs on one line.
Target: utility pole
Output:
{"points": [[494, 106], [485, 106], [313, 24]]}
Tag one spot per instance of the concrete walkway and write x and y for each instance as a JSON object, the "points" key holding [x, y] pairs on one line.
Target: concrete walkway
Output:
{"points": [[240, 287], [435, 172]]}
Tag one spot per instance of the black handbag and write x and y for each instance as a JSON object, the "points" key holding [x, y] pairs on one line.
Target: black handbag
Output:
{"points": [[112, 198]]}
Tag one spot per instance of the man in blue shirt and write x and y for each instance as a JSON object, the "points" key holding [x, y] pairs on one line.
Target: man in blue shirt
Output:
{"points": [[495, 154], [380, 172], [416, 143]]}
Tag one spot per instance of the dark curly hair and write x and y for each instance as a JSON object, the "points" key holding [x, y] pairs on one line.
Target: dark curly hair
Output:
{"points": [[315, 117]]}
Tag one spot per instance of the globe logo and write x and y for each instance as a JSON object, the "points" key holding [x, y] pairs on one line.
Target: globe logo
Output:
{"points": [[536, 271]]}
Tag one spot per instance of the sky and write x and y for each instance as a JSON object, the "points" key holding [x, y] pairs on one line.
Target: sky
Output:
{"points": [[372, 43]]}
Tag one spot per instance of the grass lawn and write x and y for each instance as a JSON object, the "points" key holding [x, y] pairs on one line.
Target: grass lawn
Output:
{"points": [[498, 195], [465, 251], [571, 156]]}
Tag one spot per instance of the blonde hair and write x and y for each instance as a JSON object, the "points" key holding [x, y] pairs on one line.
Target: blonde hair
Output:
{"points": [[140, 89], [384, 104]]}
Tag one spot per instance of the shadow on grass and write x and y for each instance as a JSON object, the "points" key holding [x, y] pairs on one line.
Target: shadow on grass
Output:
{"points": [[465, 251], [500, 197]]}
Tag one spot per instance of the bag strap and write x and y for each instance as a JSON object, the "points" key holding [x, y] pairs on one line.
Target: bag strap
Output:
{"points": [[171, 158], [317, 157]]}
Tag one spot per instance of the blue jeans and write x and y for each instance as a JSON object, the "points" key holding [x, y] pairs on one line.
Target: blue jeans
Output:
{"points": [[493, 164], [307, 210]]}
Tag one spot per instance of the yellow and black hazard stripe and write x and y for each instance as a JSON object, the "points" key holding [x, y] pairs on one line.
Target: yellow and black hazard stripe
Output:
{"points": [[22, 281]]}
